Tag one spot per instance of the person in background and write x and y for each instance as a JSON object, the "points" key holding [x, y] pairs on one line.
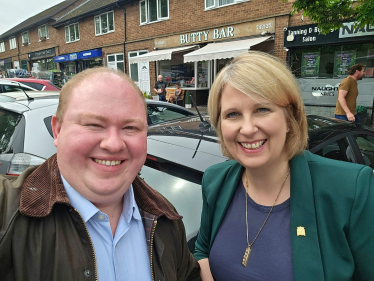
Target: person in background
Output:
{"points": [[176, 96], [347, 95], [276, 211], [1, 74], [160, 88], [85, 214]]}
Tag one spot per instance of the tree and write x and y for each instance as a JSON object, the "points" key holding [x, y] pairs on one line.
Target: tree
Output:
{"points": [[330, 14]]}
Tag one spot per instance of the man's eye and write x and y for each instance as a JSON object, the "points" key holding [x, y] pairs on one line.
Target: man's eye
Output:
{"points": [[93, 125]]}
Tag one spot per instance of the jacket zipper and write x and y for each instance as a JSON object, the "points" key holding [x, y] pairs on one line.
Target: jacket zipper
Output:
{"points": [[91, 244], [151, 255]]}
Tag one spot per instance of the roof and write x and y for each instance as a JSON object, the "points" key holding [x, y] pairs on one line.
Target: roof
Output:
{"points": [[89, 7], [38, 19]]}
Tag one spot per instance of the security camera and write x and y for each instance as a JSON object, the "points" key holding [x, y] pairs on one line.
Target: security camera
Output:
{"points": [[284, 28]]}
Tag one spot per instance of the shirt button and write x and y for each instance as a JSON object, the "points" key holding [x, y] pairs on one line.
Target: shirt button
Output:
{"points": [[101, 217]]}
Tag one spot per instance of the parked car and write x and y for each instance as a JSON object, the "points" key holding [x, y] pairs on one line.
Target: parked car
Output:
{"points": [[26, 132], [12, 86], [37, 84], [179, 152]]}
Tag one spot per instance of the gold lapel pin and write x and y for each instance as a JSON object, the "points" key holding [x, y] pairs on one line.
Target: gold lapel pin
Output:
{"points": [[300, 231]]}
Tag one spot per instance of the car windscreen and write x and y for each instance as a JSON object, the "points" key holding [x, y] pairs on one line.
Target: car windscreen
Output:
{"points": [[10, 126]]}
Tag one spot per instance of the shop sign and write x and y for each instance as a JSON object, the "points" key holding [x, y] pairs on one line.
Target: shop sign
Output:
{"points": [[61, 58], [90, 54], [260, 27], [308, 35], [44, 53], [73, 56]]}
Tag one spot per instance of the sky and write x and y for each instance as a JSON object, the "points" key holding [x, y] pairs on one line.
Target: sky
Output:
{"points": [[13, 12]]}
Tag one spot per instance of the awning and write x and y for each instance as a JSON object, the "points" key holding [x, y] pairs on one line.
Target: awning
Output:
{"points": [[159, 54], [223, 50]]}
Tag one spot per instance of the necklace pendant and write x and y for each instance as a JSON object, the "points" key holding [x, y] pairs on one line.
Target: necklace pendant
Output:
{"points": [[246, 256]]}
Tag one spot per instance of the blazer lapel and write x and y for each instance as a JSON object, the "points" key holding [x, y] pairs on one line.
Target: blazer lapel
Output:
{"points": [[306, 255]]}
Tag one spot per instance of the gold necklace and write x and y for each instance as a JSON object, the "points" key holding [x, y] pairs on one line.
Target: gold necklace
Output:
{"points": [[248, 250]]}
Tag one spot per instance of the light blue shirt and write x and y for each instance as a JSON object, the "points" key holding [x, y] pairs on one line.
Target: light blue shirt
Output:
{"points": [[124, 257]]}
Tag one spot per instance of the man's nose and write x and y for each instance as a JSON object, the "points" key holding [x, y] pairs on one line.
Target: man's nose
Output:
{"points": [[112, 141]]}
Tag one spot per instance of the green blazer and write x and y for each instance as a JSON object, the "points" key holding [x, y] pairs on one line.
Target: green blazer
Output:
{"points": [[332, 200]]}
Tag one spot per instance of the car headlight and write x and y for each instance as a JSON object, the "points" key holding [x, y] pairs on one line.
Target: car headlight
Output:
{"points": [[21, 161]]}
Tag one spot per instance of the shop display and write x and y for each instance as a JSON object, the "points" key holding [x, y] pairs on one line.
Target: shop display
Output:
{"points": [[342, 62], [310, 64], [202, 74]]}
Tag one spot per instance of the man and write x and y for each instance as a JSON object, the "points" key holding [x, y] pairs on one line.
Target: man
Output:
{"points": [[347, 95], [85, 214], [160, 88], [1, 74]]}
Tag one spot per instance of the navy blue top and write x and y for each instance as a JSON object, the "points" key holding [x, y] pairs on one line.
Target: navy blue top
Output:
{"points": [[271, 255]]}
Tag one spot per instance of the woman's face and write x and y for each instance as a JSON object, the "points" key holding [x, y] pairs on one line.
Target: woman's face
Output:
{"points": [[178, 86], [254, 131]]}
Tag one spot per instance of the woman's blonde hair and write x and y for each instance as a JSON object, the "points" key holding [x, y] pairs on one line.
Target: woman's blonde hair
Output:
{"points": [[258, 74]]}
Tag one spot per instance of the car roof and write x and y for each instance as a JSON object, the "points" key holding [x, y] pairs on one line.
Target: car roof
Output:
{"points": [[18, 102], [42, 81]]}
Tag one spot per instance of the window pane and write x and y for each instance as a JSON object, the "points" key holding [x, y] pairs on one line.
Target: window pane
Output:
{"points": [[121, 66], [163, 8], [143, 15], [111, 21], [97, 25], [152, 10], [133, 55], [225, 2], [42, 29], [39, 32], [134, 72], [67, 34], [142, 53], [76, 31], [111, 58], [119, 57], [46, 31], [209, 3], [104, 23], [72, 33], [338, 150]]}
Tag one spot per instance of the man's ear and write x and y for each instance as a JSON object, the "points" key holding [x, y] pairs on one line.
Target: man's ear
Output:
{"points": [[56, 128]]}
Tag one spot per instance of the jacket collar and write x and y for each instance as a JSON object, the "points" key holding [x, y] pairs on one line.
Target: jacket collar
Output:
{"points": [[43, 188]]}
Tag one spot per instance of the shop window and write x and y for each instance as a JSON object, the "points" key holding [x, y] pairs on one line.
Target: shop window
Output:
{"points": [[72, 33], [116, 61], [25, 38], [211, 4], [12, 43], [104, 23], [2, 47], [43, 32], [153, 10], [134, 67]]}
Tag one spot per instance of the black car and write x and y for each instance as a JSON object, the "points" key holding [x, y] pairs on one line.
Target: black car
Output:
{"points": [[179, 152]]}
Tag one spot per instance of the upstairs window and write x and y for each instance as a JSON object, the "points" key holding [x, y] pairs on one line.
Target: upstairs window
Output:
{"points": [[72, 33], [25, 38], [153, 10], [104, 23], [211, 4], [43, 32], [12, 43], [2, 47]]}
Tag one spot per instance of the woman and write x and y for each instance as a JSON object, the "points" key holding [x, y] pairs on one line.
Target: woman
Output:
{"points": [[277, 212], [176, 95]]}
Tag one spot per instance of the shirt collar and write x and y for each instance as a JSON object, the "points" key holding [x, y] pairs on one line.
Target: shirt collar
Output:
{"points": [[87, 210]]}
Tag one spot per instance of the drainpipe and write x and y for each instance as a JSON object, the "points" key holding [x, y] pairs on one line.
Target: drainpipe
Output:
{"points": [[19, 61], [124, 43]]}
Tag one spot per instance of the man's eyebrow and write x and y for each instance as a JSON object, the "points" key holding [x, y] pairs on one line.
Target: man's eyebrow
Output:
{"points": [[92, 116]]}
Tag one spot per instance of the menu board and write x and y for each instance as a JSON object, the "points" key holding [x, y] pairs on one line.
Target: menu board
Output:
{"points": [[310, 64], [343, 60]]}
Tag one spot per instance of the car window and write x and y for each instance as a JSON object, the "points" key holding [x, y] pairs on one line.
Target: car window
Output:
{"points": [[366, 146], [11, 88], [10, 125], [159, 114], [337, 150], [36, 86], [48, 124]]}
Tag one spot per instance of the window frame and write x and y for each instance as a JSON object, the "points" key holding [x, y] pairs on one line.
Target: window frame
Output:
{"points": [[46, 32], [116, 61], [75, 32], [107, 18], [12, 39], [28, 37], [2, 47], [217, 6], [147, 14]]}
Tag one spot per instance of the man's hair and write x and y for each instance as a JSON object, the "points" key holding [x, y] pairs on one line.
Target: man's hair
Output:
{"points": [[355, 67], [258, 74], [69, 87]]}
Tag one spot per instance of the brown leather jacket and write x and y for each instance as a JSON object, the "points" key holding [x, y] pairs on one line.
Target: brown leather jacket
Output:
{"points": [[42, 237]]}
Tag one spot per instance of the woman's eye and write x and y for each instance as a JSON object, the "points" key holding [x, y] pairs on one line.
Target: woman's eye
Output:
{"points": [[263, 110], [232, 114]]}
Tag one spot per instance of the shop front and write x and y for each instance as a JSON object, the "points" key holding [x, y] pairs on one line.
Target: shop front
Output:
{"points": [[42, 60], [194, 59], [73, 63], [5, 64], [321, 62]]}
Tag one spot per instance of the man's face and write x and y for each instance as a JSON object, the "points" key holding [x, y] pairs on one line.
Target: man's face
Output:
{"points": [[102, 141], [360, 74], [160, 78]]}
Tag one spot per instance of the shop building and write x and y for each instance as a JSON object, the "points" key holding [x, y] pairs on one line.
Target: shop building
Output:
{"points": [[91, 35], [321, 62], [190, 42]]}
